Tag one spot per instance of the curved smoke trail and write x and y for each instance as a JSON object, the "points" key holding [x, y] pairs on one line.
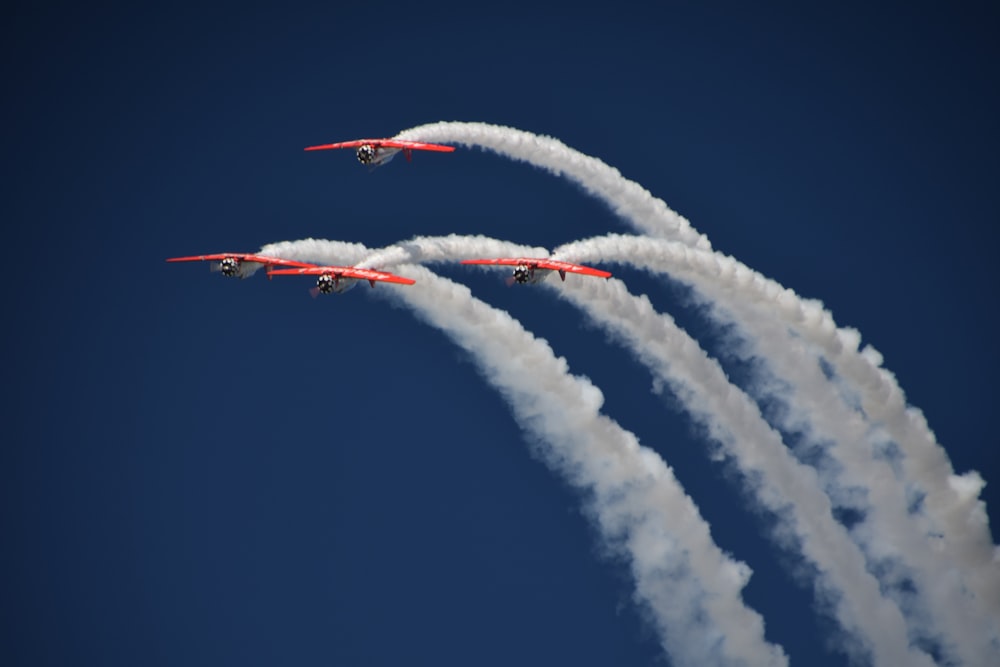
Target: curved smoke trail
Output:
{"points": [[690, 587], [897, 542], [626, 198], [782, 485], [949, 501]]}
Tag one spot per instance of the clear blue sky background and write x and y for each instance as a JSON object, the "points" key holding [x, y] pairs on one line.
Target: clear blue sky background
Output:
{"points": [[200, 471]]}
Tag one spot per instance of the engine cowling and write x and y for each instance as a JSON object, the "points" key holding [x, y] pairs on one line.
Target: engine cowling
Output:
{"points": [[230, 267], [326, 284], [366, 154], [522, 273]]}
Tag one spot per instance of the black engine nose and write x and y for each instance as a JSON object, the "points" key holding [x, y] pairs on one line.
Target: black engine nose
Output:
{"points": [[325, 284], [366, 154], [522, 274], [229, 267]]}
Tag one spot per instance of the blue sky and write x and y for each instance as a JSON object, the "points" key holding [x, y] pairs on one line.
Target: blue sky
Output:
{"points": [[202, 471]]}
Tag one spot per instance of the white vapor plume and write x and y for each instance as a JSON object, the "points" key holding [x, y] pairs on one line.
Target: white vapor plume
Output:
{"points": [[438, 248], [689, 586], [773, 477], [340, 253], [783, 486], [919, 529], [960, 601], [789, 489], [692, 588], [949, 501], [626, 198]]}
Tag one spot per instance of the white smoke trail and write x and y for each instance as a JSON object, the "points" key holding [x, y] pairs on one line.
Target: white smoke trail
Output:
{"points": [[430, 249], [775, 479], [691, 588], [626, 198], [950, 501], [787, 488], [339, 253], [965, 611]]}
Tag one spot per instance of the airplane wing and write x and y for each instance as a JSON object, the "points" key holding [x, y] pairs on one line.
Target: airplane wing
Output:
{"points": [[385, 143], [417, 146], [345, 272], [243, 257], [542, 263], [567, 267]]}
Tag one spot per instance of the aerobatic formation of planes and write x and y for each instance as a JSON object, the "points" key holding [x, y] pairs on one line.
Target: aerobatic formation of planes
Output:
{"points": [[336, 279]]}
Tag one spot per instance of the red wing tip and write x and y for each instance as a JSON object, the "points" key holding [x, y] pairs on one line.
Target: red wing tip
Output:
{"points": [[387, 278], [434, 147], [597, 273], [591, 271], [414, 145], [194, 258]]}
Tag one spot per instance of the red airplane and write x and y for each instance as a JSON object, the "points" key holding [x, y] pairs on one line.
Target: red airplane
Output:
{"points": [[375, 152], [533, 270], [340, 278], [238, 264]]}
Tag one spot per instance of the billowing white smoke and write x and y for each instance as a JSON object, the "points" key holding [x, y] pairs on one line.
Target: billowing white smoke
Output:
{"points": [[785, 487], [949, 557], [950, 501], [775, 479], [626, 198], [690, 587], [955, 575], [317, 251], [433, 249]]}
